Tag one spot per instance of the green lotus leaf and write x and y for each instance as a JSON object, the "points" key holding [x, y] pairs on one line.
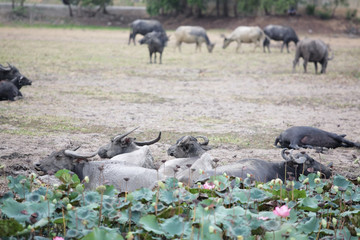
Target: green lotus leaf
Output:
{"points": [[310, 204], [310, 225], [19, 185], [150, 223], [167, 196], [341, 181], [258, 195], [271, 225], [102, 233], [175, 226], [143, 194]]}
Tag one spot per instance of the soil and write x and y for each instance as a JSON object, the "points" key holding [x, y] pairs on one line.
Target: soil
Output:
{"points": [[241, 109]]}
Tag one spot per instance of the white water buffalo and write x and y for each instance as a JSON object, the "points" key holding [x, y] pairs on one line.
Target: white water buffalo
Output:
{"points": [[193, 34], [156, 42], [122, 144], [310, 137], [312, 50], [141, 26], [280, 33], [244, 34], [264, 171]]}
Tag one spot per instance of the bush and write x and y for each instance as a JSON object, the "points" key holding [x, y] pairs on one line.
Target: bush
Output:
{"points": [[310, 9], [324, 14], [224, 208], [351, 14]]}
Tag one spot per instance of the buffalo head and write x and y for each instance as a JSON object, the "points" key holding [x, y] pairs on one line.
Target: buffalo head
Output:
{"points": [[188, 146], [123, 144], [11, 72], [301, 163], [63, 159]]}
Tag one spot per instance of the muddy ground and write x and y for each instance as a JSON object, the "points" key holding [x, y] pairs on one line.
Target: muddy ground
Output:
{"points": [[89, 85]]}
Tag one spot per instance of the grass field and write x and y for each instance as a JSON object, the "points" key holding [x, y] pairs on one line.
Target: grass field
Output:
{"points": [[89, 85]]}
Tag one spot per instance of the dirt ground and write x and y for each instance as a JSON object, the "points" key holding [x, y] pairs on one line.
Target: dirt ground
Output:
{"points": [[89, 85]]}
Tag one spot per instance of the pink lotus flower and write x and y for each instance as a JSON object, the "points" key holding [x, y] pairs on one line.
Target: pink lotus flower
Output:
{"points": [[208, 185], [58, 238], [282, 211]]}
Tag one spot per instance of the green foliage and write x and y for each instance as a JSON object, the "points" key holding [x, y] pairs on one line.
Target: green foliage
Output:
{"points": [[310, 9], [235, 207]]}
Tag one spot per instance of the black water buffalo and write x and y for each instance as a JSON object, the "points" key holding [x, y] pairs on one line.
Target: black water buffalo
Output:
{"points": [[123, 144], [188, 146], [310, 137], [264, 171], [156, 42], [9, 90], [143, 27], [10, 72], [312, 50], [279, 33]]}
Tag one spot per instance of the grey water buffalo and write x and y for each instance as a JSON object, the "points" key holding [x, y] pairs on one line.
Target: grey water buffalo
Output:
{"points": [[141, 26], [264, 171], [122, 144], [156, 42], [188, 146], [244, 34], [312, 50], [9, 90], [193, 34], [310, 137], [124, 171], [280, 33]]}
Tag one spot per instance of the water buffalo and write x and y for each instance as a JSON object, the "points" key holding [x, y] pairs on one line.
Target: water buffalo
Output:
{"points": [[122, 144], [10, 72], [279, 33], [309, 137], [126, 171], [265, 171], [188, 146], [143, 27], [156, 42], [312, 50], [193, 34], [244, 34], [9, 90]]}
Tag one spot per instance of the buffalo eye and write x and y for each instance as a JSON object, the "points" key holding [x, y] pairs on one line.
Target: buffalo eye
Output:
{"points": [[57, 156]]}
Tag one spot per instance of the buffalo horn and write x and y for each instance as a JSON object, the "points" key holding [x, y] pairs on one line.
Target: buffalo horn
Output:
{"points": [[75, 154], [119, 137], [149, 142], [206, 140], [4, 68]]}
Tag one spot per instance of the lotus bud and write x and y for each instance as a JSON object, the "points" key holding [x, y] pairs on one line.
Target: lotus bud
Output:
{"points": [[237, 180], [323, 223], [211, 229], [286, 199], [319, 190], [216, 183], [201, 171], [220, 200], [240, 237], [180, 184], [336, 188], [225, 175], [101, 189], [272, 182], [206, 209], [33, 175], [161, 184], [129, 236], [358, 179], [68, 206], [86, 179], [56, 185], [66, 200], [54, 201], [306, 181], [317, 180], [260, 186], [278, 181], [248, 175], [42, 198], [29, 227], [348, 192], [79, 188], [84, 222], [153, 204], [334, 221]]}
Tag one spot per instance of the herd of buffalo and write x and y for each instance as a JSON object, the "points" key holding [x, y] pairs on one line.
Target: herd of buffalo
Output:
{"points": [[130, 163], [311, 50]]}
